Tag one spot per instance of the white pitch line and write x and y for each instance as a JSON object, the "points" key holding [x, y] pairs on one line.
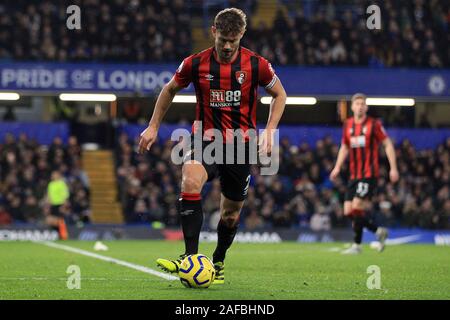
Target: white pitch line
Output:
{"points": [[108, 259]]}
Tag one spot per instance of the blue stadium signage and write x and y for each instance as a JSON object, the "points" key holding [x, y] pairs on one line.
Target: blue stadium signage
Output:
{"points": [[129, 79], [55, 78]]}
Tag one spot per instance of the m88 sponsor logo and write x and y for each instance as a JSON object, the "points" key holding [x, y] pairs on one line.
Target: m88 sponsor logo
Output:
{"points": [[224, 98]]}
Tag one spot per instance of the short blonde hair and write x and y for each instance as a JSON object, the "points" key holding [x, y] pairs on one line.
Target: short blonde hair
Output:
{"points": [[359, 96]]}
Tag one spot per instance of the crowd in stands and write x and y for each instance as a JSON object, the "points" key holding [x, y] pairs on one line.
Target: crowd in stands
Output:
{"points": [[30, 173], [319, 33], [301, 195], [322, 33], [119, 30]]}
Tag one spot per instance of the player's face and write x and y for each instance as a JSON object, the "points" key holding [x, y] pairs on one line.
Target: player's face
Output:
{"points": [[226, 45], [359, 108]]}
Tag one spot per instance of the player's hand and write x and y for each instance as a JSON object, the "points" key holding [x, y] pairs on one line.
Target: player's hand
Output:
{"points": [[148, 137], [335, 173], [266, 141], [393, 175]]}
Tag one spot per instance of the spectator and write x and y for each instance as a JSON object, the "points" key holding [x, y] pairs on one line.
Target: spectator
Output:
{"points": [[335, 33], [139, 31], [253, 221], [9, 114], [299, 196], [24, 178], [325, 33], [5, 217], [57, 192], [320, 221]]}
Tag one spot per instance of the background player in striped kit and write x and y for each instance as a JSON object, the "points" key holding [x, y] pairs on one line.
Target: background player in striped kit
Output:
{"points": [[361, 137]]}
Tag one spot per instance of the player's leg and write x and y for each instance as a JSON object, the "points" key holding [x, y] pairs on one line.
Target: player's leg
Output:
{"points": [[362, 220], [361, 209], [227, 227], [361, 206], [348, 208], [357, 228], [234, 180], [358, 216], [226, 231], [194, 176], [355, 248]]}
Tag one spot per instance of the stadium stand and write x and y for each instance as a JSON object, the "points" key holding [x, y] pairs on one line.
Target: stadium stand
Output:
{"points": [[310, 33], [144, 31], [322, 33], [300, 196], [325, 33], [26, 168]]}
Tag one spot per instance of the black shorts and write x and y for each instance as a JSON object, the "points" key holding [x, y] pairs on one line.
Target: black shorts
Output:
{"points": [[361, 188], [234, 176], [55, 210]]}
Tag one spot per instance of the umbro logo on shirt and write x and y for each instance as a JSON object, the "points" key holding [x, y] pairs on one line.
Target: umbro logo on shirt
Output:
{"points": [[209, 77]]}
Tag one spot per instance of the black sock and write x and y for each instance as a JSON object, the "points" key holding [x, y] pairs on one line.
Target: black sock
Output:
{"points": [[370, 225], [358, 226], [225, 237], [191, 221]]}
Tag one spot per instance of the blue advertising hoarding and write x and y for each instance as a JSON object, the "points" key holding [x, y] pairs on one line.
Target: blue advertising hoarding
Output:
{"points": [[42, 132], [128, 79], [59, 77], [95, 232]]}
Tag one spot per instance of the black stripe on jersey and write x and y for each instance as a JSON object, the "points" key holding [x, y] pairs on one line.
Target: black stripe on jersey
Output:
{"points": [[198, 88], [371, 160], [363, 151], [255, 75], [236, 86], [214, 70], [355, 154]]}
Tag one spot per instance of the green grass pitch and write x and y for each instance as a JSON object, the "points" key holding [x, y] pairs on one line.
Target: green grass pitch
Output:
{"points": [[253, 271]]}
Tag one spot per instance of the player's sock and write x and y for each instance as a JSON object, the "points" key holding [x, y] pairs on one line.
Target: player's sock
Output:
{"points": [[191, 220], [358, 225], [62, 229], [225, 237]]}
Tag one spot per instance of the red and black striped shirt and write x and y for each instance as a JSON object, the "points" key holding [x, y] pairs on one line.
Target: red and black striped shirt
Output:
{"points": [[226, 92], [363, 140]]}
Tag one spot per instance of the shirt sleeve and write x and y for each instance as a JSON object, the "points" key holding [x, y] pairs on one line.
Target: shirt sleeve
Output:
{"points": [[183, 75], [380, 133], [267, 76], [345, 140]]}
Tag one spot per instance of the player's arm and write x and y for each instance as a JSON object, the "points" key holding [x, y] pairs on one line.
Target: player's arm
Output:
{"points": [[276, 105], [342, 155], [381, 136], [390, 153], [165, 98], [269, 80], [275, 112]]}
